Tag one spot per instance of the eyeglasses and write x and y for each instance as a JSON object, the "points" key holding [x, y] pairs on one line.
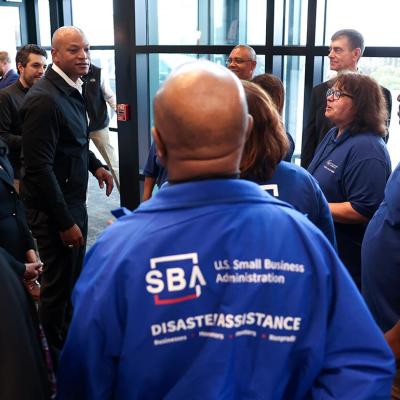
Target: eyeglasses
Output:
{"points": [[236, 61], [337, 94]]}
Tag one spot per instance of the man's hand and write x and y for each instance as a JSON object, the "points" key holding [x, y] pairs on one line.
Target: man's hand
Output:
{"points": [[72, 237], [103, 176], [32, 270], [31, 256]]}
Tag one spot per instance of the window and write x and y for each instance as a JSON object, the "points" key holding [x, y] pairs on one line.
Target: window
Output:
{"points": [[95, 18], [44, 22], [10, 29], [290, 23], [193, 22], [377, 21], [293, 81], [173, 22]]}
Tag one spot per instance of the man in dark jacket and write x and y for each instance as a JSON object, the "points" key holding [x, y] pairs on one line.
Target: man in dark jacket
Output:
{"points": [[31, 64], [57, 160], [346, 49]]}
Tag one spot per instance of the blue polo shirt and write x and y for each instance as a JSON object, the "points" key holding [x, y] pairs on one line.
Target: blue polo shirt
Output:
{"points": [[153, 167], [353, 168], [298, 187], [380, 258]]}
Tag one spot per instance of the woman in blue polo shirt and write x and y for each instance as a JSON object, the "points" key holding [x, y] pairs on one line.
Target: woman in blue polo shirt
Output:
{"points": [[262, 163], [352, 164]]}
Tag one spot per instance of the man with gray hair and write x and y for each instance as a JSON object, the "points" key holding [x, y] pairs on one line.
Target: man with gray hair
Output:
{"points": [[7, 74], [242, 61], [346, 49]]}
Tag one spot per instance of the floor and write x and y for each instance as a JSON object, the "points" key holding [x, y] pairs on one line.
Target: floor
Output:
{"points": [[99, 206]]}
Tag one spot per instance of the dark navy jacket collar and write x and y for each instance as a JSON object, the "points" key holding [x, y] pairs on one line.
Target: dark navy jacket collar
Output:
{"points": [[58, 81]]}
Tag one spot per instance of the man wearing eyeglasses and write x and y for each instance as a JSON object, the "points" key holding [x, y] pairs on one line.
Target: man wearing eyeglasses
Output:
{"points": [[346, 49], [242, 61]]}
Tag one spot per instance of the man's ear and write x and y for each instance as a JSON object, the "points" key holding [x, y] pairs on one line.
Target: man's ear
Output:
{"points": [[253, 65], [357, 53], [160, 147], [20, 68]]}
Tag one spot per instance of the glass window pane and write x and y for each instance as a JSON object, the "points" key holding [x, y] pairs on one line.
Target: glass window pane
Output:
{"points": [[44, 22], [10, 30], [256, 22], [290, 22], [293, 81], [95, 18], [173, 22], [236, 22], [188, 22], [378, 22]]}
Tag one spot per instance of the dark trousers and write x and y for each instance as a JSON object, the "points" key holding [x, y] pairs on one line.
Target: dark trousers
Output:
{"points": [[61, 269]]}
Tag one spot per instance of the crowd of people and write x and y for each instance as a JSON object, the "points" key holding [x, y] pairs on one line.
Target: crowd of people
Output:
{"points": [[244, 275]]}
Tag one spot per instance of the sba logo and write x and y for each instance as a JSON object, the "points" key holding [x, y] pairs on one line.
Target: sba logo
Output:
{"points": [[173, 279]]}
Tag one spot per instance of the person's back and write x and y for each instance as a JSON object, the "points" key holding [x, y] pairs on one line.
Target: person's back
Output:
{"points": [[380, 248], [221, 291], [299, 188]]}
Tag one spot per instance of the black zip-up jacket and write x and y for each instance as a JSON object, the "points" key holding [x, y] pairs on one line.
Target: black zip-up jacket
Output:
{"points": [[56, 152], [11, 99]]}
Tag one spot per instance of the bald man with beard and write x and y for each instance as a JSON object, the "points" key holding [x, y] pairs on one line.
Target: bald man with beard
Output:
{"points": [[213, 289], [57, 159]]}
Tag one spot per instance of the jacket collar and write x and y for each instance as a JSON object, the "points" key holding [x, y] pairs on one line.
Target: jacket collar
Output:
{"points": [[60, 82], [207, 192]]}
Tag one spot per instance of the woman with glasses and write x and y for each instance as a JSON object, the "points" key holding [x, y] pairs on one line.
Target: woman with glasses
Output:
{"points": [[262, 163], [352, 163]]}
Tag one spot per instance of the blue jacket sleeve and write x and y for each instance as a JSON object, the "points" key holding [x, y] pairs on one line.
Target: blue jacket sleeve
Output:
{"points": [[357, 361]]}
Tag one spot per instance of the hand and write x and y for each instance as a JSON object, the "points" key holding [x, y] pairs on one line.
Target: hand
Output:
{"points": [[102, 176], [31, 256], [32, 270], [72, 237]]}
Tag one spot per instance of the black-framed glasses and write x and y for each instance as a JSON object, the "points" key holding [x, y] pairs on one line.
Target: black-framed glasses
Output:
{"points": [[236, 60], [337, 94]]}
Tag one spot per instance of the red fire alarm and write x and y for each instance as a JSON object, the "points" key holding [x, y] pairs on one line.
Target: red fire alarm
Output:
{"points": [[123, 112]]}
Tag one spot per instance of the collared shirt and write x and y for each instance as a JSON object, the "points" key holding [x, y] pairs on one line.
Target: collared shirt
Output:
{"points": [[77, 85]]}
